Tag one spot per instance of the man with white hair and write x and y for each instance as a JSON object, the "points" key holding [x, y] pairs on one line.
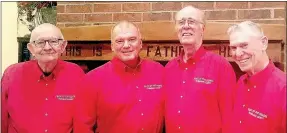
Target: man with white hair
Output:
{"points": [[260, 103], [37, 96], [198, 83]]}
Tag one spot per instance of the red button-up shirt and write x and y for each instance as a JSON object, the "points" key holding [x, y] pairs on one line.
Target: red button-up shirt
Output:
{"points": [[260, 105], [198, 93], [121, 100], [32, 103]]}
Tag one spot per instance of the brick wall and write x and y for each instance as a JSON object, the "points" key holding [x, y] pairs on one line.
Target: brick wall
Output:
{"points": [[98, 13]]}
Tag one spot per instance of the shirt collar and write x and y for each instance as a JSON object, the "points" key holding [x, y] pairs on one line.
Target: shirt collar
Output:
{"points": [[195, 58], [39, 73], [122, 67], [260, 76]]}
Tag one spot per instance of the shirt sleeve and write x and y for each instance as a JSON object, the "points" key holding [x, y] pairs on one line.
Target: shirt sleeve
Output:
{"points": [[283, 121], [226, 90], [4, 100], [86, 105]]}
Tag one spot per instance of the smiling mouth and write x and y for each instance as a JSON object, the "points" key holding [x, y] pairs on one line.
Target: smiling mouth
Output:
{"points": [[187, 34], [243, 60]]}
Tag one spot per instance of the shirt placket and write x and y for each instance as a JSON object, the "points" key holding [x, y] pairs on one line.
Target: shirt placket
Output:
{"points": [[47, 86], [187, 68], [140, 99], [247, 92]]}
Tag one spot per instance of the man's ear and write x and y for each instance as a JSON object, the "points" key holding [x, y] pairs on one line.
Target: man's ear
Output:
{"points": [[64, 45], [264, 43], [31, 48]]}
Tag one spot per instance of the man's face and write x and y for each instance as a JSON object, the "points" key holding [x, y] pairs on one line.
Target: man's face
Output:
{"points": [[189, 26], [247, 50], [47, 45], [126, 43]]}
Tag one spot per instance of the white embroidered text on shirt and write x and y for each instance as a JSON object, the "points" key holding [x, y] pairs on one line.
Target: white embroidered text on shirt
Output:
{"points": [[153, 86]]}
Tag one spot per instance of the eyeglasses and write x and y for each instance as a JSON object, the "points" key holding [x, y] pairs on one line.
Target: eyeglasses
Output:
{"points": [[52, 42], [189, 22]]}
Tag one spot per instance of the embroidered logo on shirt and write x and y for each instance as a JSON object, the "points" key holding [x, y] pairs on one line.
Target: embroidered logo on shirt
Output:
{"points": [[203, 80], [153, 86], [256, 114], [65, 97]]}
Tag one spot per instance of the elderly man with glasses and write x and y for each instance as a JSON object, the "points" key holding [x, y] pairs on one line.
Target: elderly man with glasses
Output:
{"points": [[198, 83], [37, 96]]}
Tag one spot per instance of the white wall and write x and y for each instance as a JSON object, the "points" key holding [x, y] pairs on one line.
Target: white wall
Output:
{"points": [[9, 34]]}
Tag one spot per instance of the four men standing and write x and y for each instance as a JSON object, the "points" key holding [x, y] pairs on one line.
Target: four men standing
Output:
{"points": [[195, 92]]}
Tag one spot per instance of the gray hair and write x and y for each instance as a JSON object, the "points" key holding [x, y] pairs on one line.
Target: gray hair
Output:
{"points": [[249, 27]]}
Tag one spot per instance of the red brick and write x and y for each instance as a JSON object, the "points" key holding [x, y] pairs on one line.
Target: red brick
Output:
{"points": [[221, 15], [136, 6], [231, 5], [269, 21], [127, 16], [254, 14], [69, 18], [279, 13], [98, 17], [166, 6], [69, 3], [77, 24], [199, 5], [107, 7], [157, 16], [87, 8], [60, 25], [60, 8], [103, 23], [267, 4]]}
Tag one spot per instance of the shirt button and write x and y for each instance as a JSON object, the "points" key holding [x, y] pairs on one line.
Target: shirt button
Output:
{"points": [[186, 68], [140, 100], [46, 99], [142, 129], [240, 122], [46, 84], [137, 87], [38, 81], [46, 131], [254, 86], [178, 111], [46, 114], [193, 63], [134, 74], [243, 105], [181, 96], [178, 127], [142, 114], [183, 82], [248, 90]]}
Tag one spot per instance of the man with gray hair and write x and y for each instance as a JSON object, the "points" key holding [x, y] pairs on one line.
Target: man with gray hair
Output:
{"points": [[37, 96], [198, 83], [260, 102]]}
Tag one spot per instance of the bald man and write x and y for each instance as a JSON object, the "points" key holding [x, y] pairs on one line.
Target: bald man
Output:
{"points": [[125, 94], [37, 95], [198, 83], [260, 105]]}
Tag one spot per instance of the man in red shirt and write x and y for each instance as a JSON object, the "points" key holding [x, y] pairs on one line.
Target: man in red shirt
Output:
{"points": [[125, 94], [198, 83], [37, 95], [260, 104]]}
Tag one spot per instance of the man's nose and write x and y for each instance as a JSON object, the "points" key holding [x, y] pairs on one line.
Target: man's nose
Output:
{"points": [[47, 46]]}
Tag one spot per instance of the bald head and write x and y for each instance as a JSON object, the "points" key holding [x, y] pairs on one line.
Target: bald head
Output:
{"points": [[47, 29], [188, 11], [122, 26]]}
